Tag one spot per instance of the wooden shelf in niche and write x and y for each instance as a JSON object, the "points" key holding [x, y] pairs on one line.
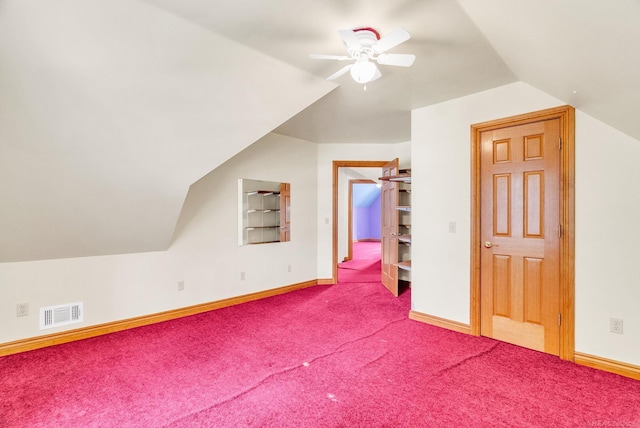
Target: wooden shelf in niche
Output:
{"points": [[263, 192], [406, 265], [403, 222], [404, 175], [262, 217], [404, 225], [263, 211], [405, 239]]}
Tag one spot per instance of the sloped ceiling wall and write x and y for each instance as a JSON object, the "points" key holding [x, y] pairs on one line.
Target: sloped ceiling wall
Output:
{"points": [[584, 52], [365, 194], [110, 110]]}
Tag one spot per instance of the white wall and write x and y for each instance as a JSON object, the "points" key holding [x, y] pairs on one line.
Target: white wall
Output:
{"points": [[327, 153], [104, 126], [204, 253], [607, 209], [607, 239]]}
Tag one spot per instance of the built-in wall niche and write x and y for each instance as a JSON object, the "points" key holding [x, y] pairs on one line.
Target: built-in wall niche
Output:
{"points": [[264, 211]]}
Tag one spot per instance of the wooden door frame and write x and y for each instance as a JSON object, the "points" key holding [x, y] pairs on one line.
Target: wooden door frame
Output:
{"points": [[566, 115], [350, 215], [337, 164]]}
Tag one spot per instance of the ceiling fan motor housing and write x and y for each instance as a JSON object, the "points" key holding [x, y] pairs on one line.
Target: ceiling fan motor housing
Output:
{"points": [[367, 37]]}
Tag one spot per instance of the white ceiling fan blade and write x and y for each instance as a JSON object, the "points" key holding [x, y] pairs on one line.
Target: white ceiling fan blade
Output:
{"points": [[391, 40], [336, 57], [349, 38], [403, 60], [340, 72]]}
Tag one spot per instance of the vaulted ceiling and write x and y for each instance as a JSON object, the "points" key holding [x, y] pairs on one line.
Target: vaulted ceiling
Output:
{"points": [[110, 109], [585, 52]]}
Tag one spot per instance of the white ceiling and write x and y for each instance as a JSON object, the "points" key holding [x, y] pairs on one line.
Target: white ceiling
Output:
{"points": [[453, 58], [586, 52], [110, 109]]}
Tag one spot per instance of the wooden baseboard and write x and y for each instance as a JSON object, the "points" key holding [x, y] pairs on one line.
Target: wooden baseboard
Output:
{"points": [[600, 363], [326, 281], [612, 366], [440, 322], [29, 344], [368, 240], [23, 345]]}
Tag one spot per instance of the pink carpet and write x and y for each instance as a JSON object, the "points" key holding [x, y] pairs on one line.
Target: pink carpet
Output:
{"points": [[364, 265], [344, 355]]}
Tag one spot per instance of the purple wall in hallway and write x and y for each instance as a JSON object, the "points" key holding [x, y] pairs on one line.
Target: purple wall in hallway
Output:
{"points": [[366, 219]]}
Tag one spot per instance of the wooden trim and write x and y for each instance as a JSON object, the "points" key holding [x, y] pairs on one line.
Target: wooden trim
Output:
{"points": [[337, 164], [440, 322], [611, 366], [567, 241], [566, 115], [326, 281], [349, 224], [29, 344]]}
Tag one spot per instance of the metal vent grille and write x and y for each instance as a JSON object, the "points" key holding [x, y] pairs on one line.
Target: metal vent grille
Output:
{"points": [[60, 315]]}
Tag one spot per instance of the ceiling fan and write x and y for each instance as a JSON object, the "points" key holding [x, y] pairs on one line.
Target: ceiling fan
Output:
{"points": [[364, 46]]}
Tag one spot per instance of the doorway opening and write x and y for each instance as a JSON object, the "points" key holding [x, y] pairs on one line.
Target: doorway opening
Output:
{"points": [[363, 222], [364, 245], [341, 206]]}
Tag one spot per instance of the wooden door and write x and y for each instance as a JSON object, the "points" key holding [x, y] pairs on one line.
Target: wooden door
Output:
{"points": [[285, 212], [520, 234], [389, 223]]}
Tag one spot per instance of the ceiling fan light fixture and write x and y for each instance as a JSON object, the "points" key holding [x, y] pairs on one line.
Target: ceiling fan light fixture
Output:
{"points": [[364, 47], [363, 71]]}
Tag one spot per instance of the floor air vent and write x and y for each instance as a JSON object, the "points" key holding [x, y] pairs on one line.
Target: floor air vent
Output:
{"points": [[56, 316]]}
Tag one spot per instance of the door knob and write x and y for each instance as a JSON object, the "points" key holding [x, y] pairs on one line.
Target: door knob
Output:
{"points": [[488, 244]]}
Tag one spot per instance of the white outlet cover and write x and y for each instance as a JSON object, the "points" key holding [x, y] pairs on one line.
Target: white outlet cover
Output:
{"points": [[615, 325], [22, 309]]}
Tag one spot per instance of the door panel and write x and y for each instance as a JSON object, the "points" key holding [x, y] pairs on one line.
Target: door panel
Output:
{"points": [[389, 235], [520, 218]]}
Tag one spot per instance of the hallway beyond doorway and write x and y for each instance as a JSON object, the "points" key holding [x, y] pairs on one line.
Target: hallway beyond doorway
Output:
{"points": [[364, 265]]}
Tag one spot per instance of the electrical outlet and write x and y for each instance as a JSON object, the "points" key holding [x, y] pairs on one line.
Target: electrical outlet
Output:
{"points": [[615, 325], [242, 276], [22, 309], [180, 285], [452, 227], [288, 268]]}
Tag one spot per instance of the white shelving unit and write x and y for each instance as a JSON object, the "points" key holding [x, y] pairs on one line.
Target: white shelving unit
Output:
{"points": [[404, 224], [262, 217], [259, 211]]}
